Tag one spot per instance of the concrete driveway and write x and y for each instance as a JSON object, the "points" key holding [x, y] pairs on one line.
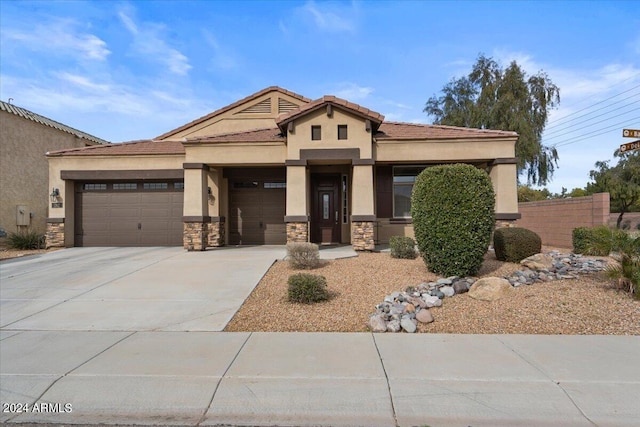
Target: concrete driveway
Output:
{"points": [[130, 289]]}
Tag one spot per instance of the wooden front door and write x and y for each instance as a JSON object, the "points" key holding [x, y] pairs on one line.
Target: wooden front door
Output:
{"points": [[325, 209]]}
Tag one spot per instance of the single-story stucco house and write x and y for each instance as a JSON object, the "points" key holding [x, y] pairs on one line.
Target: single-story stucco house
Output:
{"points": [[272, 168], [25, 137]]}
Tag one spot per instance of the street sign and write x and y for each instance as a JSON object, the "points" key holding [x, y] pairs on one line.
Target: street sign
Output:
{"points": [[631, 133], [629, 146]]}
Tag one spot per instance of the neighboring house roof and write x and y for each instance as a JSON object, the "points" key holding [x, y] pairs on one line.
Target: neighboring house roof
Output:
{"points": [[231, 106], [398, 130], [356, 109], [132, 148], [258, 135], [30, 115]]}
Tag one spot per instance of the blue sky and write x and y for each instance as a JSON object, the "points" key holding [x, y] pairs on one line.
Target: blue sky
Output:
{"points": [[134, 70]]}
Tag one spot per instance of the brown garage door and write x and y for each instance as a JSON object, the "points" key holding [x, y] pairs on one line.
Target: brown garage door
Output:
{"points": [[256, 212], [129, 214]]}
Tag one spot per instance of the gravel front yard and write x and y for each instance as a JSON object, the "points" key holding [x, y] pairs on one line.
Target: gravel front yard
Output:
{"points": [[588, 305]]}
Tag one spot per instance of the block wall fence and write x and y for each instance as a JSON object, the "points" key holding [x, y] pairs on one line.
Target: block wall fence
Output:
{"points": [[554, 220]]}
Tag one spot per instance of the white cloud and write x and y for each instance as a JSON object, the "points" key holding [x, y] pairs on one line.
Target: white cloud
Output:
{"points": [[352, 92], [60, 36], [330, 17], [221, 58], [82, 82], [148, 41]]}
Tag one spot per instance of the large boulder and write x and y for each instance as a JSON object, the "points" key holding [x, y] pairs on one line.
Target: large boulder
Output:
{"points": [[538, 262], [490, 289]]}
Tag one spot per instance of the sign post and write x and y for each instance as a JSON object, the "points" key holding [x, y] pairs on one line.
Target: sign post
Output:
{"points": [[631, 133], [630, 146]]}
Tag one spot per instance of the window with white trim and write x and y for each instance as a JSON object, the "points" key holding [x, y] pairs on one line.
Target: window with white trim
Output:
{"points": [[403, 179]]}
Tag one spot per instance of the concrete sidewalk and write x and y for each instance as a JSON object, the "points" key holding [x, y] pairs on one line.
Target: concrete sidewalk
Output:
{"points": [[326, 379]]}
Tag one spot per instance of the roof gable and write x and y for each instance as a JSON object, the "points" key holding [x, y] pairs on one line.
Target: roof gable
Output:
{"points": [[30, 115], [330, 101], [263, 103]]}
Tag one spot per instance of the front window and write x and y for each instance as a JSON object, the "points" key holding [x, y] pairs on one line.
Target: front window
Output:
{"points": [[342, 131], [403, 179], [316, 133]]}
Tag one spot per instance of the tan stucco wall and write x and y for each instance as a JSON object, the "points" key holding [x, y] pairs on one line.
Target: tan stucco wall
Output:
{"points": [[445, 151], [230, 154], [235, 120], [362, 190], [357, 136], [504, 179], [24, 170]]}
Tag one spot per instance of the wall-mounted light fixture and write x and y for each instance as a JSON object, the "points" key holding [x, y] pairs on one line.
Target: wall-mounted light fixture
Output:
{"points": [[55, 193]]}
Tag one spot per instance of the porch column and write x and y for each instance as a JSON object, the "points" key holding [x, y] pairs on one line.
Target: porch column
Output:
{"points": [[362, 208], [196, 211], [215, 228], [503, 174], [296, 214]]}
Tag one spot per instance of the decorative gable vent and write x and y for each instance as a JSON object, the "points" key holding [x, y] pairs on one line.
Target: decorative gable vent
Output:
{"points": [[262, 107], [285, 106]]}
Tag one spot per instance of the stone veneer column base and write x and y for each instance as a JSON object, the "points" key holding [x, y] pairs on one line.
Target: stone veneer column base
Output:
{"points": [[54, 236], [362, 235], [505, 223], [215, 231], [297, 232], [194, 237]]}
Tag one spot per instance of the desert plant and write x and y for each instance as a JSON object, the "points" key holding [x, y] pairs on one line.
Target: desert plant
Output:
{"points": [[307, 288], [625, 249], [25, 240], [303, 255], [515, 244], [402, 247], [597, 241], [452, 207]]}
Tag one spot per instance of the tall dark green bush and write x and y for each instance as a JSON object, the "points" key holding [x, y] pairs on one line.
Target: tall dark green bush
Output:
{"points": [[452, 207], [513, 244], [402, 247]]}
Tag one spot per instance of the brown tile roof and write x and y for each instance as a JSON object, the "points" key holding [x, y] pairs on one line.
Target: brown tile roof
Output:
{"points": [[230, 106], [30, 115], [283, 119], [258, 135], [132, 148], [397, 130]]}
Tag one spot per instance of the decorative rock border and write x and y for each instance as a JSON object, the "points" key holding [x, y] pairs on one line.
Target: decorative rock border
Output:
{"points": [[403, 310]]}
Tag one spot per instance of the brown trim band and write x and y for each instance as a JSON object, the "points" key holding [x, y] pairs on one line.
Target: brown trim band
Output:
{"points": [[504, 161], [363, 162], [217, 219], [295, 163], [296, 218], [508, 216], [330, 154], [55, 220], [97, 175], [195, 166], [359, 218], [199, 219]]}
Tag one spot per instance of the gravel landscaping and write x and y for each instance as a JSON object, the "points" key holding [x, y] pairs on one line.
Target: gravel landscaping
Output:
{"points": [[587, 305]]}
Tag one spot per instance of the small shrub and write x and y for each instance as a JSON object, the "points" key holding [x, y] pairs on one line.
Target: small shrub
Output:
{"points": [[307, 288], [596, 241], [402, 247], [303, 255], [627, 272], [515, 244], [452, 207], [25, 240]]}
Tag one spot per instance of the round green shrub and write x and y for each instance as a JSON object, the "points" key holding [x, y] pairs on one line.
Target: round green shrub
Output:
{"points": [[515, 244], [452, 207], [402, 247], [307, 288]]}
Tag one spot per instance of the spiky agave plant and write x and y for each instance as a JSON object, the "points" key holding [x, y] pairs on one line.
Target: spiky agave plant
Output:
{"points": [[627, 271]]}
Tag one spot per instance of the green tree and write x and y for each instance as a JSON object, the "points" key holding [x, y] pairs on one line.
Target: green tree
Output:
{"points": [[621, 181], [492, 97], [528, 194]]}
